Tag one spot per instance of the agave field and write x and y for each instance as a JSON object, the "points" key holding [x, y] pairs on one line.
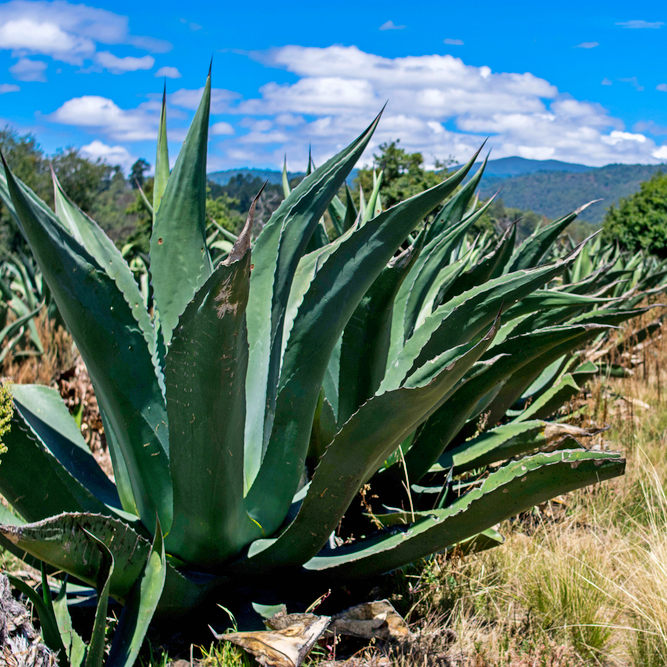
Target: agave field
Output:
{"points": [[296, 409]]}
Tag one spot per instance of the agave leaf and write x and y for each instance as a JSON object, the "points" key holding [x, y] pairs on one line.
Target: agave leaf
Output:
{"points": [[337, 212], [507, 441], [464, 316], [484, 388], [88, 233], [276, 253], [285, 180], [206, 408], [62, 541], [365, 341], [490, 266], [551, 400], [161, 157], [115, 353], [429, 271], [515, 386], [372, 200], [506, 492], [533, 249], [350, 210], [45, 438], [550, 308], [180, 260], [374, 431], [319, 239], [140, 607], [345, 277], [456, 207], [75, 648], [95, 653]]}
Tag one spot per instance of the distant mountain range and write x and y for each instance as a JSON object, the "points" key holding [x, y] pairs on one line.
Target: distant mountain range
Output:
{"points": [[273, 176], [507, 167], [549, 187], [556, 193]]}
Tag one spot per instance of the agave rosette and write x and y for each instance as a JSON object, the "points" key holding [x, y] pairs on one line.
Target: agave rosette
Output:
{"points": [[245, 412]]}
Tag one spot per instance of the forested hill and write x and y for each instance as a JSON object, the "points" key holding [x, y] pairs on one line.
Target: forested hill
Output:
{"points": [[548, 187], [272, 176], [555, 193], [506, 167]]}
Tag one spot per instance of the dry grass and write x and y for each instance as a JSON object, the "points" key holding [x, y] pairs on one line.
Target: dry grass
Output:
{"points": [[59, 353], [584, 579]]}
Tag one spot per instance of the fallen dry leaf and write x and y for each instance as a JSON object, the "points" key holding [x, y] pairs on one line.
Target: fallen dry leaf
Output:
{"points": [[287, 644], [372, 620]]}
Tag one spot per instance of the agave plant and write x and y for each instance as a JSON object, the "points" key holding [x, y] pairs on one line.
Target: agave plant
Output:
{"points": [[248, 409]]}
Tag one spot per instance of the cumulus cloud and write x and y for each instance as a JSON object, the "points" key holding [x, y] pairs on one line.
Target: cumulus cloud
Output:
{"points": [[660, 154], [168, 73], [8, 88], [113, 155], [127, 64], [65, 31], [221, 128], [28, 70], [101, 113], [438, 105]]}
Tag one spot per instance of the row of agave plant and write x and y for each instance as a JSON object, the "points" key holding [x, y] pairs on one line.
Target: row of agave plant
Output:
{"points": [[22, 298], [246, 409]]}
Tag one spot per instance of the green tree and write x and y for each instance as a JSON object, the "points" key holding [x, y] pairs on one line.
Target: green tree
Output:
{"points": [[96, 187], [138, 171], [403, 174], [640, 220], [26, 159], [82, 179]]}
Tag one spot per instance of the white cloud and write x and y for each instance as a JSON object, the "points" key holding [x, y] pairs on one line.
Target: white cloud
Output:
{"points": [[437, 104], [662, 87], [35, 36], [639, 24], [390, 25], [114, 155], [92, 111], [453, 42], [65, 31], [617, 137], [8, 88], [168, 73], [28, 70], [661, 154], [587, 45], [606, 82], [120, 65], [221, 128]]}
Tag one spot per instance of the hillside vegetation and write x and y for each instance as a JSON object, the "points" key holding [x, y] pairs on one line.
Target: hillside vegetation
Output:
{"points": [[554, 193]]}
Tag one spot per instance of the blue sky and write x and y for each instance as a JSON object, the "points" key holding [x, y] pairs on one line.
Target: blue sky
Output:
{"points": [[583, 82]]}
